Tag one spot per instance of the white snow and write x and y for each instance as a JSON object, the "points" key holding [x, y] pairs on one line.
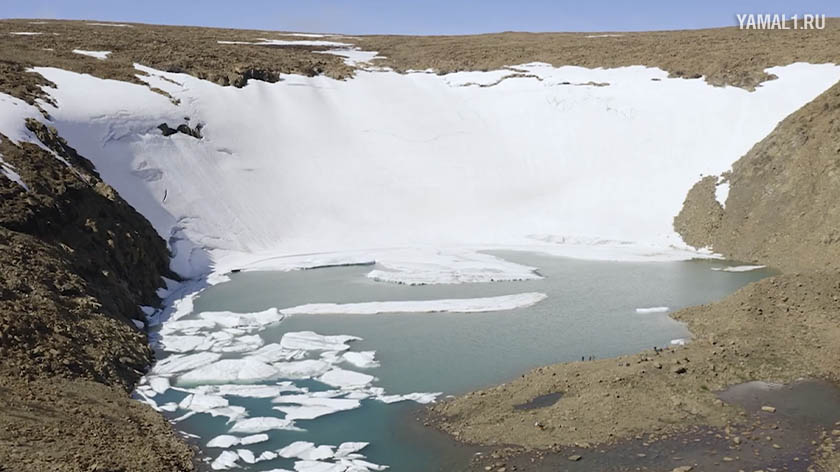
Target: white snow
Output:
{"points": [[654, 309], [284, 42], [11, 174], [26, 33], [456, 305], [740, 268], [678, 342], [468, 166], [101, 55], [117, 25], [722, 192]]}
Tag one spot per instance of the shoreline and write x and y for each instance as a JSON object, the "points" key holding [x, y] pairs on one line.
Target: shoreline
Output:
{"points": [[746, 336]]}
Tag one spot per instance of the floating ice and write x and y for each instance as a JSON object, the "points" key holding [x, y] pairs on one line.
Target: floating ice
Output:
{"points": [[678, 342], [310, 341], [262, 424], [200, 403], [182, 363], [249, 391], [740, 268], [347, 448], [422, 398], [226, 460], [223, 441], [362, 359], [159, 384], [346, 378], [230, 370], [311, 407], [185, 343], [254, 439], [229, 319], [101, 55], [247, 456], [295, 449], [274, 352], [304, 369], [455, 305], [655, 309]]}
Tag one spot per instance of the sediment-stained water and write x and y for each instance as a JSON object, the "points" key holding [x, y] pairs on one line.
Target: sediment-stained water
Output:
{"points": [[590, 310]]}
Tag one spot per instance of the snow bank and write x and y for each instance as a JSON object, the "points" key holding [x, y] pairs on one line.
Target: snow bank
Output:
{"points": [[418, 160], [455, 305]]}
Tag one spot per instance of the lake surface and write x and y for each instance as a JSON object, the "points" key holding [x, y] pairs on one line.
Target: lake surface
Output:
{"points": [[590, 311]]}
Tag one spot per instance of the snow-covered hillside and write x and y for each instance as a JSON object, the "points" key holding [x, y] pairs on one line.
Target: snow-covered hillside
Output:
{"points": [[576, 161]]}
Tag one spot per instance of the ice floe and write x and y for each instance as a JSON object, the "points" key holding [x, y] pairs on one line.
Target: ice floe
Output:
{"points": [[262, 424], [310, 341], [455, 305], [347, 379], [225, 460], [653, 309], [740, 268], [229, 370]]}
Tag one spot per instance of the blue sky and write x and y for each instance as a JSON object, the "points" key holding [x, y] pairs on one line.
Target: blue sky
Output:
{"points": [[419, 17]]}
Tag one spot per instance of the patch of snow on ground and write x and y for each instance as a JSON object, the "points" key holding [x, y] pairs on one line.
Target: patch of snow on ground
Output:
{"points": [[26, 33], [722, 192], [101, 55], [116, 25]]}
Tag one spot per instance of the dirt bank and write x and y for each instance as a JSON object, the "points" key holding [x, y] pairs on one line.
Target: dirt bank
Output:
{"points": [[77, 261]]}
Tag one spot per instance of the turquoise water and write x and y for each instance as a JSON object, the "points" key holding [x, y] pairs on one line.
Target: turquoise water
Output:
{"points": [[590, 311]]}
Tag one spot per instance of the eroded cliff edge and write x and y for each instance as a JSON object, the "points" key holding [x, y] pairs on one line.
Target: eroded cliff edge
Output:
{"points": [[77, 263]]}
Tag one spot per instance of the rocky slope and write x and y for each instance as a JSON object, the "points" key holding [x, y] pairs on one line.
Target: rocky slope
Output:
{"points": [[782, 206], [77, 261]]}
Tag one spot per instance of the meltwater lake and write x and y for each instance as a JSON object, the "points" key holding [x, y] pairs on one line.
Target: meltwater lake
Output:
{"points": [[590, 310]]}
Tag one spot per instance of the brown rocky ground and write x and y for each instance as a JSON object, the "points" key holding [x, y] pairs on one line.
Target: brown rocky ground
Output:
{"points": [[722, 55], [77, 260]]}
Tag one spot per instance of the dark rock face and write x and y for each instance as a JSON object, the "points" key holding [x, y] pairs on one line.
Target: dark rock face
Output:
{"points": [[182, 128], [701, 213], [76, 262], [782, 208]]}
